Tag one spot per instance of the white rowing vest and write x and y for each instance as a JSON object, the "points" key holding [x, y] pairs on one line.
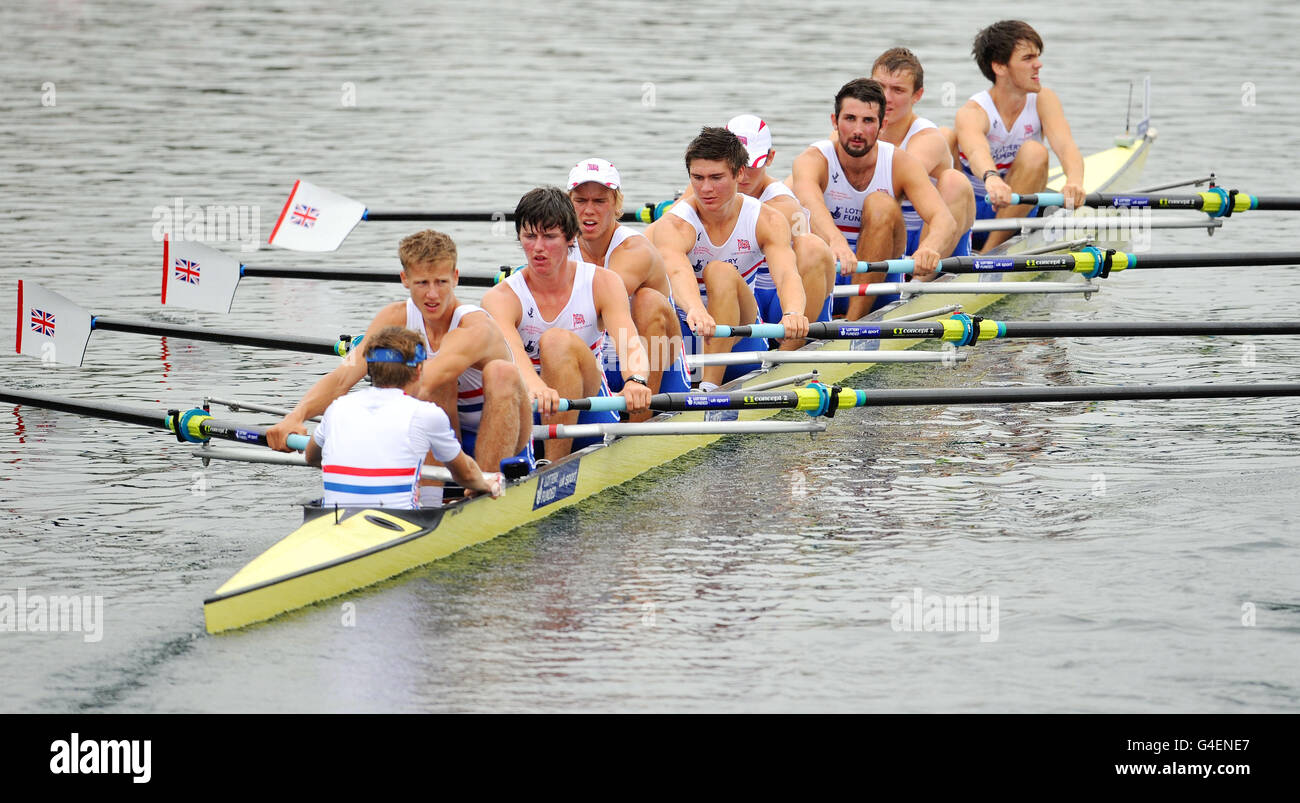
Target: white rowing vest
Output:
{"points": [[469, 385], [740, 248], [843, 200], [578, 316], [1004, 144], [373, 443], [910, 216], [777, 189]]}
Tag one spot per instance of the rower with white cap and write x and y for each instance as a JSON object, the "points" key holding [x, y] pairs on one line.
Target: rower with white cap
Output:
{"points": [[812, 255], [595, 188]]}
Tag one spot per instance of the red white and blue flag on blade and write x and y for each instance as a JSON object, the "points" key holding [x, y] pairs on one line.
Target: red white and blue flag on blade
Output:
{"points": [[40, 338], [187, 270], [305, 215], [43, 322], [181, 286], [315, 219]]}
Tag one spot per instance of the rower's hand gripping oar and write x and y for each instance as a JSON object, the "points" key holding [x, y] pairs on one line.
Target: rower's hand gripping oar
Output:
{"points": [[317, 219], [53, 329]]}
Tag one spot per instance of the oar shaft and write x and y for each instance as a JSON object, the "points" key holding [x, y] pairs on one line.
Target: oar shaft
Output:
{"points": [[817, 400], [206, 426], [1148, 328], [644, 214], [350, 275], [1209, 202], [93, 409], [1085, 261], [309, 345], [990, 329], [940, 396]]}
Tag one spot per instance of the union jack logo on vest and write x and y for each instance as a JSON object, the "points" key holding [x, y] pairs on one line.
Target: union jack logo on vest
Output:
{"points": [[578, 320], [743, 245], [187, 271], [42, 322], [1029, 128], [305, 215]]}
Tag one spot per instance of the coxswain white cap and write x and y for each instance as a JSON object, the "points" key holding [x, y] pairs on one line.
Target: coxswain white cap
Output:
{"points": [[597, 170], [754, 134]]}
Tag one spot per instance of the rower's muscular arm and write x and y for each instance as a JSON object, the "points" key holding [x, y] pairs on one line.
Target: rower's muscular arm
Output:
{"points": [[503, 305], [475, 341], [931, 150], [911, 181], [809, 185], [675, 238], [774, 241], [616, 315], [334, 384], [634, 261], [972, 128], [1057, 131]]}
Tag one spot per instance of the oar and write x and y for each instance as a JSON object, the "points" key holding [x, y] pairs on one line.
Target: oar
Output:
{"points": [[317, 219], [1090, 261], [53, 329], [818, 399], [1216, 202], [549, 431], [202, 278], [194, 426], [965, 329]]}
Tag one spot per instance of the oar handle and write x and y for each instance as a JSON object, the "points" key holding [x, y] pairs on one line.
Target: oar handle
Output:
{"points": [[886, 266]]}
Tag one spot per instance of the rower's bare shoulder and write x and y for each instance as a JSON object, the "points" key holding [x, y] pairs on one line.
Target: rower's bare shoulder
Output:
{"points": [[1049, 104], [393, 314], [971, 114]]}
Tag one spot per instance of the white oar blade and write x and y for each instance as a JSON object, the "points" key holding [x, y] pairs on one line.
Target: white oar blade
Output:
{"points": [[198, 277], [50, 327], [315, 219]]}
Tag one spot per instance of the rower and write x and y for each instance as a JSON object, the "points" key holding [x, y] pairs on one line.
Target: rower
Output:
{"points": [[595, 188], [899, 73], [471, 372], [852, 185], [998, 133], [554, 315], [813, 258], [713, 243], [371, 445]]}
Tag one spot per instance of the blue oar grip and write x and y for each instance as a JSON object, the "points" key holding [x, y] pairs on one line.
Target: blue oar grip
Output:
{"points": [[298, 442], [764, 330], [722, 331], [891, 266], [604, 404]]}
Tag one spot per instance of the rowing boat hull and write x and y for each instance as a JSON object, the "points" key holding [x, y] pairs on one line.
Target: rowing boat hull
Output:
{"points": [[324, 559]]}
